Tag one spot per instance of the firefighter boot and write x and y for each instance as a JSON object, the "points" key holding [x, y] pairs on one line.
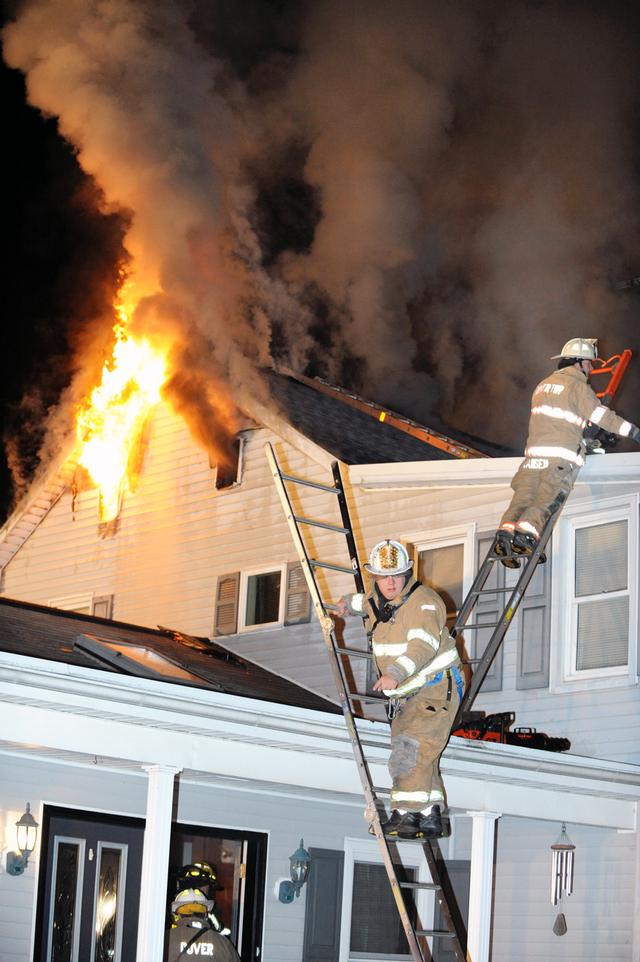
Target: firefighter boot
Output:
{"points": [[524, 543], [431, 824], [403, 825], [504, 549]]}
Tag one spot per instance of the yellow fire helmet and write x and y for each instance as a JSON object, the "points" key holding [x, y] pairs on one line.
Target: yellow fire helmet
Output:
{"points": [[191, 902], [388, 558], [584, 348]]}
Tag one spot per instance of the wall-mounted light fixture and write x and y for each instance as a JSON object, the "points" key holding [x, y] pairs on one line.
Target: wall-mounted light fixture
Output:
{"points": [[299, 871], [26, 834]]}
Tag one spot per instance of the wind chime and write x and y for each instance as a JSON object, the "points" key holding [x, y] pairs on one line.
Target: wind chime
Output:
{"points": [[561, 876]]}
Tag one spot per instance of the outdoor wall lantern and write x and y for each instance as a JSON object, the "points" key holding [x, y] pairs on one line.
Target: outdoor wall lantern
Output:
{"points": [[300, 862], [26, 834]]}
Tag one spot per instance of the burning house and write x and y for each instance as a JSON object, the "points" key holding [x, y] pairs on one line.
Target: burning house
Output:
{"points": [[166, 698]]}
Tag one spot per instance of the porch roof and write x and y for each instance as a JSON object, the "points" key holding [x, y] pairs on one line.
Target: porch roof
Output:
{"points": [[48, 709]]}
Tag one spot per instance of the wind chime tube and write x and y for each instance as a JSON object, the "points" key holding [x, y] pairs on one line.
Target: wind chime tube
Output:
{"points": [[568, 878], [554, 877]]}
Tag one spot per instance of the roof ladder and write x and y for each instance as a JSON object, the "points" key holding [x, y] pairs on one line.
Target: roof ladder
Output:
{"points": [[416, 937]]}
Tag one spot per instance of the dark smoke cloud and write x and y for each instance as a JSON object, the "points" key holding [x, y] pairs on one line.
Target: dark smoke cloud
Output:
{"points": [[415, 199]]}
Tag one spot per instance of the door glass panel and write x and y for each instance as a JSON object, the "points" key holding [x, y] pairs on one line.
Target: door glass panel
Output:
{"points": [[224, 855], [109, 901], [64, 916]]}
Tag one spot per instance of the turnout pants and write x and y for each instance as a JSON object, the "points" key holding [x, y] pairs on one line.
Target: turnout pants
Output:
{"points": [[419, 734], [540, 487]]}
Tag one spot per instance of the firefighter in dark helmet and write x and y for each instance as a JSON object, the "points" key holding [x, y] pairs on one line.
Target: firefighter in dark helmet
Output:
{"points": [[196, 931]]}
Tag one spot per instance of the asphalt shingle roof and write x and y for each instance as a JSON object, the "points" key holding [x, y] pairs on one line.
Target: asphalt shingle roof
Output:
{"points": [[49, 633], [354, 436]]}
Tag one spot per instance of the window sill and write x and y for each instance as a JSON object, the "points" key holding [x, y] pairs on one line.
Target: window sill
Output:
{"points": [[250, 629], [593, 684]]}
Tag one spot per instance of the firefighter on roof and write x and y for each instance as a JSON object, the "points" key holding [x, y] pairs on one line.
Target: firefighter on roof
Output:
{"points": [[420, 674], [563, 405]]}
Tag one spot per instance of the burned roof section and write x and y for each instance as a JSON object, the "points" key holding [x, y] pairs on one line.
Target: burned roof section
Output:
{"points": [[352, 430], [89, 642]]}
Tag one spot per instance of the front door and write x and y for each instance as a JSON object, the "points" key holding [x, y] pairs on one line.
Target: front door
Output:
{"points": [[89, 887]]}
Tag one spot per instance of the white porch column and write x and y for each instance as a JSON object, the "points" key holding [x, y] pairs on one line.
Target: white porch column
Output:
{"points": [[481, 885], [155, 862]]}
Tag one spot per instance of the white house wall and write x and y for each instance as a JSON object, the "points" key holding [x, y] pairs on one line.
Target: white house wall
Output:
{"points": [[286, 820], [177, 535], [600, 913]]}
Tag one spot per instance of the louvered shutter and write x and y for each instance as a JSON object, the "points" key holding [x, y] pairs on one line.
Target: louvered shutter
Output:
{"points": [[102, 606], [323, 906], [488, 610], [298, 600], [226, 612], [534, 630]]}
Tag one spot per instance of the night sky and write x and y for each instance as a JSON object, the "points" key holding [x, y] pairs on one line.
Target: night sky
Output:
{"points": [[495, 143]]}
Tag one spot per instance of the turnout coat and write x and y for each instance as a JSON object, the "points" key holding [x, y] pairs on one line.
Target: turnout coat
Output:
{"points": [[410, 640]]}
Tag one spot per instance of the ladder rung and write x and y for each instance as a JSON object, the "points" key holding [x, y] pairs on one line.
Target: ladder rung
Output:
{"points": [[320, 524], [331, 567], [381, 791], [355, 652], [310, 484], [478, 624], [491, 591], [435, 933], [429, 886], [356, 696]]}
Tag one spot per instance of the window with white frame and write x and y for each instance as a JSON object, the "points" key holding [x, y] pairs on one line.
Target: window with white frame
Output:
{"points": [[443, 560], [98, 606], [371, 928], [262, 598], [600, 619]]}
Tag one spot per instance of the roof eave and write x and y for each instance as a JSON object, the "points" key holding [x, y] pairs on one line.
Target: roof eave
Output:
{"points": [[612, 468]]}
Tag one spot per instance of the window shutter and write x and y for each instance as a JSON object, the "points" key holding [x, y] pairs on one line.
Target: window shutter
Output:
{"points": [[488, 609], [323, 906], [226, 612], [298, 600], [102, 606], [534, 630]]}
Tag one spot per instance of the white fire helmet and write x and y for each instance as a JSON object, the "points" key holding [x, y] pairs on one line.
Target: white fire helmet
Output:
{"points": [[388, 558], [191, 902], [583, 348]]}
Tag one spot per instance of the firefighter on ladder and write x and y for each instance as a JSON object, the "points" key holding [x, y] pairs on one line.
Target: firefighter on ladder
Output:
{"points": [[563, 405], [420, 673]]}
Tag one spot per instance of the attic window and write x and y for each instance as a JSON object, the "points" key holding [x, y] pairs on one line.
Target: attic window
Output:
{"points": [[229, 474], [134, 659]]}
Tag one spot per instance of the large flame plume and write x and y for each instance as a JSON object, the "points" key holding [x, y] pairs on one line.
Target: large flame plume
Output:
{"points": [[109, 424]]}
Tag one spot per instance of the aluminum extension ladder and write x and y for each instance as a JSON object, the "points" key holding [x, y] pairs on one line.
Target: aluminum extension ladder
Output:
{"points": [[513, 594], [416, 937]]}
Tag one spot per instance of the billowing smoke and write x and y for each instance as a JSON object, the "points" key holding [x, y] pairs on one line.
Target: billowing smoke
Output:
{"points": [[420, 200]]}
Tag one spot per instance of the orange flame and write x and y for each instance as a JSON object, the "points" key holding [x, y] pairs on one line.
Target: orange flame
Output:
{"points": [[110, 423]]}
